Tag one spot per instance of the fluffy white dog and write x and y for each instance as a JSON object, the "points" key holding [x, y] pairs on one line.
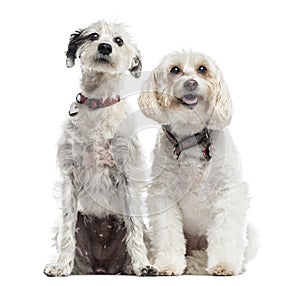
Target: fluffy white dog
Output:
{"points": [[196, 188], [93, 152]]}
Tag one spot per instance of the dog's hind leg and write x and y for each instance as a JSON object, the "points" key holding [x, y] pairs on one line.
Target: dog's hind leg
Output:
{"points": [[65, 238]]}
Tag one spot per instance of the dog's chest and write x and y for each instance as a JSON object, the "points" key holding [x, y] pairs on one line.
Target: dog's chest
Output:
{"points": [[196, 214], [99, 176], [196, 202], [93, 138], [98, 171], [91, 150]]}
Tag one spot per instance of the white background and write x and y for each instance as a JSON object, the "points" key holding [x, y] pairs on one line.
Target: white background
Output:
{"points": [[256, 45]]}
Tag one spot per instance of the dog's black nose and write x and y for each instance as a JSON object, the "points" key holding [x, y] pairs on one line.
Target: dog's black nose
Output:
{"points": [[105, 49], [190, 85]]}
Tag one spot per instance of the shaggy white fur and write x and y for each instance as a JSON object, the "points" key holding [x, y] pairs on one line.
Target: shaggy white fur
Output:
{"points": [[190, 194], [93, 152]]}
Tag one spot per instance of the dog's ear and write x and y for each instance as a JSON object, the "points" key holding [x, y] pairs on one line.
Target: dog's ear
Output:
{"points": [[150, 100], [222, 108], [76, 40], [136, 63], [149, 95]]}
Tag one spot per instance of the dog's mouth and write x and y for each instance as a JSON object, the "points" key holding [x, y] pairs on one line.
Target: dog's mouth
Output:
{"points": [[190, 100], [103, 59]]}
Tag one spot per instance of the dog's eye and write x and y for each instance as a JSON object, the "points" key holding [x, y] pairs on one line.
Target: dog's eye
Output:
{"points": [[202, 70], [118, 41], [175, 70], [94, 37]]}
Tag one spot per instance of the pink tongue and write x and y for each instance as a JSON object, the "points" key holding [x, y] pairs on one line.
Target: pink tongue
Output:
{"points": [[190, 101]]}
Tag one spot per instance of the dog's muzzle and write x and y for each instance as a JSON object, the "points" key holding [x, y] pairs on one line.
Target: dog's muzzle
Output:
{"points": [[105, 49], [103, 55], [190, 97], [190, 84]]}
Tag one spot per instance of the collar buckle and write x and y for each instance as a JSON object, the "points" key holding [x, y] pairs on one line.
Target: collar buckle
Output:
{"points": [[175, 154], [79, 98]]}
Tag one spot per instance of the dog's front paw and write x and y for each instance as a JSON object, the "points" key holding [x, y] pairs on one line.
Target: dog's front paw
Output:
{"points": [[167, 271], [222, 269], [57, 269], [170, 267], [148, 271]]}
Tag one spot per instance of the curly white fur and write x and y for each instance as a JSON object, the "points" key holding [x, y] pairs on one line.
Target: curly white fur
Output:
{"points": [[191, 195], [93, 152]]}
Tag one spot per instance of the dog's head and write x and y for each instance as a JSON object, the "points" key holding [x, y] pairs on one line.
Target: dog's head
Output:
{"points": [[190, 85], [104, 47]]}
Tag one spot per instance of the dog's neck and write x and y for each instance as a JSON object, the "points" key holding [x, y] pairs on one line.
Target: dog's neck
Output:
{"points": [[100, 85], [200, 138], [184, 129]]}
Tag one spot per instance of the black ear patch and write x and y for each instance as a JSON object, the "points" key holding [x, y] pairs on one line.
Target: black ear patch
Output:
{"points": [[136, 66], [76, 40]]}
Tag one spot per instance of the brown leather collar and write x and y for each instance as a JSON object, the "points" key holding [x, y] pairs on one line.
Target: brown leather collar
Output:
{"points": [[201, 138]]}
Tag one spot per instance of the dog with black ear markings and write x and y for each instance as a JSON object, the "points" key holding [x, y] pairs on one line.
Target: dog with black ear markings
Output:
{"points": [[93, 49], [93, 153]]}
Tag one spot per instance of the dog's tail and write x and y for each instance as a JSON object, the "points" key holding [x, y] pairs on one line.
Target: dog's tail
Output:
{"points": [[253, 244]]}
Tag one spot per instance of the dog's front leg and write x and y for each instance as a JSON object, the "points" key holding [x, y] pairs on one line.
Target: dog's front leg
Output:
{"points": [[136, 247], [168, 242], [65, 238], [135, 236], [227, 235]]}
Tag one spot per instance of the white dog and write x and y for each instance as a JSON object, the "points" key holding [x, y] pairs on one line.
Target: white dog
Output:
{"points": [[197, 188], [93, 153]]}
